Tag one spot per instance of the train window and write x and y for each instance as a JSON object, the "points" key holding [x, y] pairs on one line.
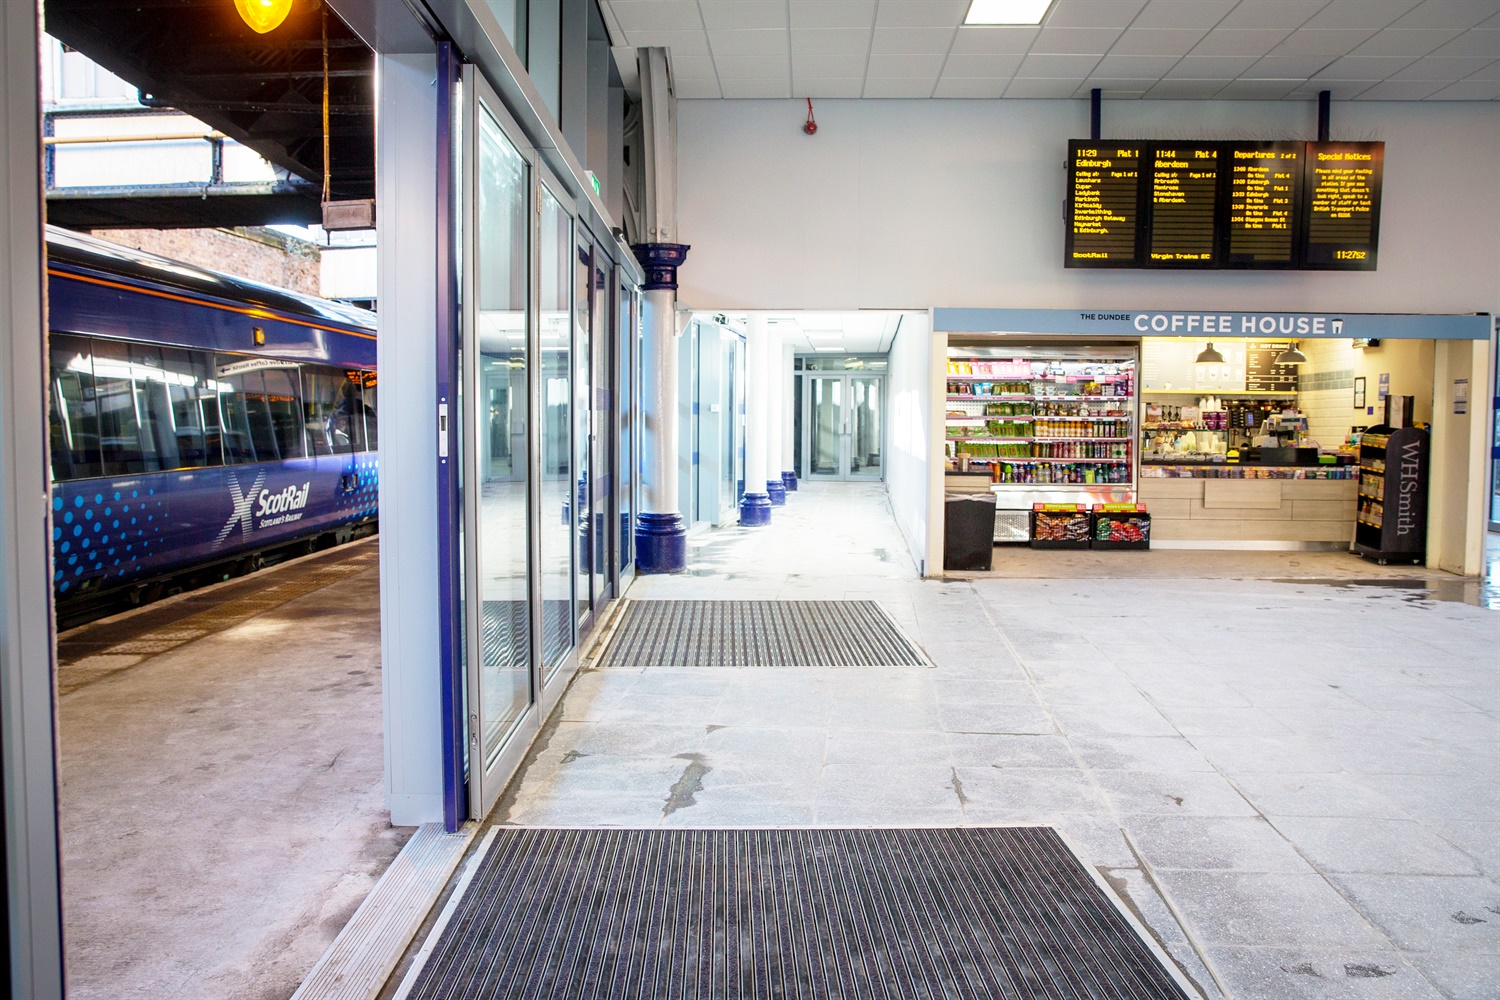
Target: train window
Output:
{"points": [[74, 414], [372, 429], [122, 446], [182, 427], [239, 445], [320, 392], [152, 375], [285, 409], [349, 415]]}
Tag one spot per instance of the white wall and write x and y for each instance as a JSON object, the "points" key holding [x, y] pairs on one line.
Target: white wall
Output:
{"points": [[908, 399], [910, 204]]}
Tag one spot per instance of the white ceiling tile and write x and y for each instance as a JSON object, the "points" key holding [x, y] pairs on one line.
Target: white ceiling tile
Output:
{"points": [[656, 15], [921, 13], [755, 87], [1093, 13], [1124, 87], [1438, 68], [1401, 90], [1182, 14], [1053, 67], [1356, 68], [995, 38], [831, 41], [1448, 14], [1194, 67], [1256, 90], [1075, 41], [1133, 67], [689, 40], [963, 86], [691, 64], [1489, 73], [1239, 42], [1469, 90], [1368, 14], [1410, 42], [897, 87], [748, 42], [729, 14], [745, 67], [829, 66], [975, 65], [1476, 42], [1339, 90], [689, 88], [1185, 90], [1029, 87], [1320, 42], [826, 87], [832, 14], [1286, 67], [1283, 14], [905, 64], [1167, 42], [1493, 22], [912, 40]]}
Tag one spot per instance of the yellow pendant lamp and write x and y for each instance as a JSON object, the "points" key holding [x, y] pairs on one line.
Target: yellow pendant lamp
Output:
{"points": [[263, 15]]}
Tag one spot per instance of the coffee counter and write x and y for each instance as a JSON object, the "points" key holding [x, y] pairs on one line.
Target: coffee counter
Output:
{"points": [[1268, 508]]}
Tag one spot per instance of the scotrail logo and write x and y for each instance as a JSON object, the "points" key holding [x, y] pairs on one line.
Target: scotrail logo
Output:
{"points": [[286, 505], [244, 503]]}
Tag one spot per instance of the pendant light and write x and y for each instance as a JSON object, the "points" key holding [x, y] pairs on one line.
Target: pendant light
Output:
{"points": [[1210, 356], [1291, 356], [263, 15]]}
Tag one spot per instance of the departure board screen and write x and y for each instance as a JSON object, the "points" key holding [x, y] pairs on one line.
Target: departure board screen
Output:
{"points": [[1341, 201], [1252, 204], [1265, 186], [1103, 193], [1184, 189]]}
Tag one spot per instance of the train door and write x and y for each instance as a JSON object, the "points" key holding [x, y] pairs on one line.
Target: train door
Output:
{"points": [[496, 381]]}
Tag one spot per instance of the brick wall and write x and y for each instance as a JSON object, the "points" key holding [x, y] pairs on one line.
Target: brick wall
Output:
{"points": [[260, 255]]}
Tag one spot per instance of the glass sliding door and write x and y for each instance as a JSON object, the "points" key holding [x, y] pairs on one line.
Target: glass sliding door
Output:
{"points": [[493, 407], [557, 549], [866, 458], [844, 427], [825, 426], [601, 474], [625, 410], [582, 426]]}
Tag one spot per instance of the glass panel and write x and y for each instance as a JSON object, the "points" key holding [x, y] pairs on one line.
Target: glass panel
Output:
{"points": [[726, 426], [372, 426], [827, 425], [600, 470], [120, 440], [239, 445], [738, 412], [285, 410], [625, 407], [349, 414], [582, 439], [500, 422], [320, 388], [554, 253], [864, 428], [74, 413]]}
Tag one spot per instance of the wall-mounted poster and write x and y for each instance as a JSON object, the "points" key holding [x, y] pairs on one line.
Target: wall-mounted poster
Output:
{"points": [[1359, 393]]}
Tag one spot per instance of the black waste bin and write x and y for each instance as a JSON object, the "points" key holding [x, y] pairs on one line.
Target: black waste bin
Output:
{"points": [[969, 530]]}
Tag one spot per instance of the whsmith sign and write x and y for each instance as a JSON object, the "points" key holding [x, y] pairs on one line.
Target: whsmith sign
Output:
{"points": [[1148, 323]]}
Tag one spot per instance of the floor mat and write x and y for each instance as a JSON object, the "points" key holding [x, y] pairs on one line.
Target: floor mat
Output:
{"points": [[850, 914], [758, 634]]}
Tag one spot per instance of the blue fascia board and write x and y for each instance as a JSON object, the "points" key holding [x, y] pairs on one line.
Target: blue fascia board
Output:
{"points": [[1280, 325]]}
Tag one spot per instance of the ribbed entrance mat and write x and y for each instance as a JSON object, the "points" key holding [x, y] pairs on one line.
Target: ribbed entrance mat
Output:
{"points": [[758, 634], [808, 914]]}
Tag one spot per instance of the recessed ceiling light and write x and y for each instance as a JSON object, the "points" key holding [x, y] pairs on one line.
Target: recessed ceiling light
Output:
{"points": [[1007, 11]]}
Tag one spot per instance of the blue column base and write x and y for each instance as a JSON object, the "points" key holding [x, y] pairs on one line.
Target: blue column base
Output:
{"points": [[776, 490], [660, 544], [755, 510], [789, 480]]}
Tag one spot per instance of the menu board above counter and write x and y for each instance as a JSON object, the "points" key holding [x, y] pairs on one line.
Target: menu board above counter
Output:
{"points": [[1252, 204], [1262, 373]]}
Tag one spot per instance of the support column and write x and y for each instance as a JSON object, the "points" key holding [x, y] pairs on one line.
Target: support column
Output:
{"points": [[775, 488], [788, 382], [660, 533], [755, 508]]}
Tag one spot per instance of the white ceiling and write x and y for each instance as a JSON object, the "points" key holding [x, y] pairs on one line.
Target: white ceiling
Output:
{"points": [[868, 331], [1401, 50]]}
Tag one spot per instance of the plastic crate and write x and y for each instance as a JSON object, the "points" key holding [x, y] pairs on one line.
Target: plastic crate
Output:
{"points": [[1120, 526], [1059, 526]]}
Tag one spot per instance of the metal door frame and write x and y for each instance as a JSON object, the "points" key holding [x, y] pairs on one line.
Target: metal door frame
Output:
{"points": [[843, 476]]}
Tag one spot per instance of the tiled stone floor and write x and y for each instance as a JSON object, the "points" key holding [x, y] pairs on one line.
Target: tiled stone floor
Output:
{"points": [[1293, 784]]}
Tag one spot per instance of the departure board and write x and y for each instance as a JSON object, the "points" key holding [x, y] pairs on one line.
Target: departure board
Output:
{"points": [[1341, 201], [1265, 189], [1184, 188], [1104, 185], [1251, 204]]}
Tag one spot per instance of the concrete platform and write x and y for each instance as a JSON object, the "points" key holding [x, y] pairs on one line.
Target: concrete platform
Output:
{"points": [[222, 799], [1291, 781]]}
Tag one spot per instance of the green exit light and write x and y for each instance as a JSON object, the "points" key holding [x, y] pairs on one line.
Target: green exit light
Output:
{"points": [[594, 181]]}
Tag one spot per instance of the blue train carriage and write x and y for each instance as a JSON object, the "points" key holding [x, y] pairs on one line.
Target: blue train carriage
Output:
{"points": [[198, 420]]}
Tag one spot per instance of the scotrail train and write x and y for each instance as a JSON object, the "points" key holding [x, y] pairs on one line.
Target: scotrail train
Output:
{"points": [[199, 422]]}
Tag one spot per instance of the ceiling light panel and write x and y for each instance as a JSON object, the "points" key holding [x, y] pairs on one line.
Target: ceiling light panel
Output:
{"points": [[1007, 11]]}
